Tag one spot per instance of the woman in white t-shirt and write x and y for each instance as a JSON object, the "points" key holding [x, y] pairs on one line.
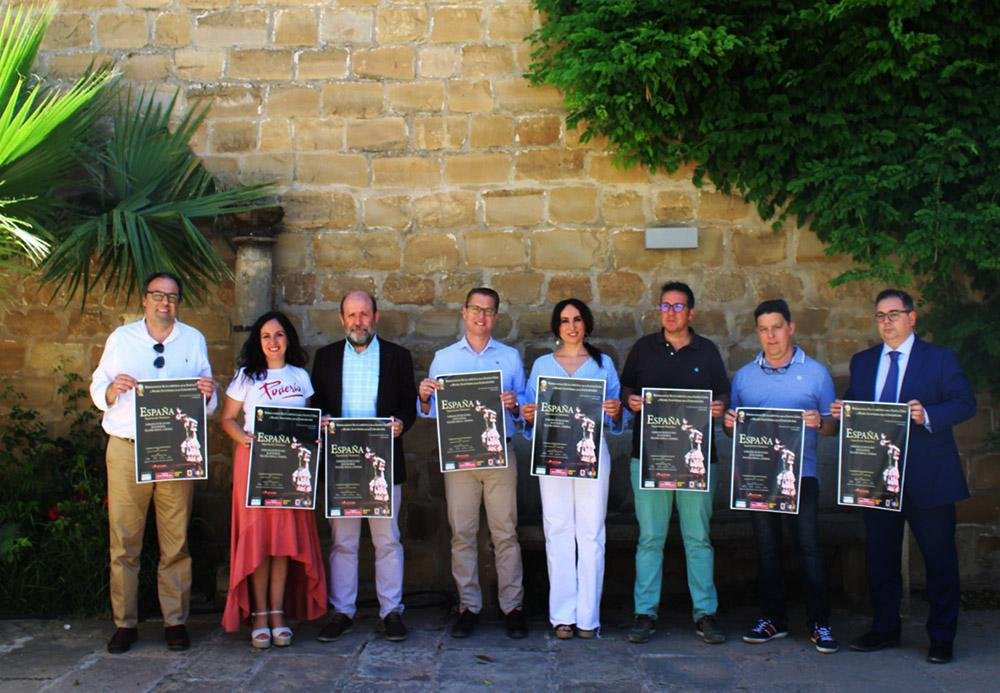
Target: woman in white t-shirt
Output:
{"points": [[275, 563]]}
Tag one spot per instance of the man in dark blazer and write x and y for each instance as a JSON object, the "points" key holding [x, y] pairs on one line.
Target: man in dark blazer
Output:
{"points": [[372, 378], [905, 368]]}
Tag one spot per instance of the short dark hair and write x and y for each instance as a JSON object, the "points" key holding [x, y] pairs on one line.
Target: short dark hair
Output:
{"points": [[895, 293], [588, 324], [682, 288], [485, 292], [774, 305], [252, 358], [370, 296], [164, 275]]}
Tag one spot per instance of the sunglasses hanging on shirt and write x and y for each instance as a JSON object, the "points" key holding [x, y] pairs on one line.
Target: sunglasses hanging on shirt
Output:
{"points": [[158, 361]]}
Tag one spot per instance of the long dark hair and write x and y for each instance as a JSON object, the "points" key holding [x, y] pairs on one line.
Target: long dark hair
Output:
{"points": [[252, 358], [588, 324]]}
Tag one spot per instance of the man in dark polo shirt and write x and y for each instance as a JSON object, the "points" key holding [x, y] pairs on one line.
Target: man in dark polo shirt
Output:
{"points": [[674, 357]]}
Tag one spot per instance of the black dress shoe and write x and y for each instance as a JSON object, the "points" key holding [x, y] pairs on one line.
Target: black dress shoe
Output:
{"points": [[872, 641], [517, 625], [177, 638], [122, 640], [465, 624], [940, 652]]}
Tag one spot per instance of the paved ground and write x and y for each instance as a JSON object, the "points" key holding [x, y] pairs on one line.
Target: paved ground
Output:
{"points": [[64, 656]]}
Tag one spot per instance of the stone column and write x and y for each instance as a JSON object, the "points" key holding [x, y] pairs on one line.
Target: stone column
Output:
{"points": [[253, 234]]}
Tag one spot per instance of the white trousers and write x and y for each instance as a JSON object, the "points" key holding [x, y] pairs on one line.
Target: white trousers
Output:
{"points": [[573, 513], [346, 535]]}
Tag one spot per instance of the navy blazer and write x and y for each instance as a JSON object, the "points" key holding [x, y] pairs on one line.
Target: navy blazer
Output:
{"points": [[934, 474], [397, 393]]}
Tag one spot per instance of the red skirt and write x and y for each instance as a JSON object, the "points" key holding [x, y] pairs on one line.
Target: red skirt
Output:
{"points": [[259, 533]]}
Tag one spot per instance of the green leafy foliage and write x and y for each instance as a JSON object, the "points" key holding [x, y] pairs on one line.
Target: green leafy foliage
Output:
{"points": [[873, 121]]}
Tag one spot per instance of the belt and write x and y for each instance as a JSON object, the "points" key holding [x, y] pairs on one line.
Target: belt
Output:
{"points": [[131, 441]]}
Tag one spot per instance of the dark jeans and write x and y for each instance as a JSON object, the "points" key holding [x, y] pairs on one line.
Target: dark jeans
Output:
{"points": [[767, 531]]}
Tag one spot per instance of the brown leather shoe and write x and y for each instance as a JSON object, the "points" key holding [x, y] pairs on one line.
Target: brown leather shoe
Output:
{"points": [[177, 637], [122, 640]]}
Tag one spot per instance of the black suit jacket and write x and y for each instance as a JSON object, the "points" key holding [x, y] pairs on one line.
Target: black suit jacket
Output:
{"points": [[397, 393]]}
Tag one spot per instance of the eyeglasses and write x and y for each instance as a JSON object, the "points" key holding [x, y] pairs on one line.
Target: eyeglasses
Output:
{"points": [[478, 310], [159, 360], [158, 296], [891, 316], [768, 370], [672, 307]]}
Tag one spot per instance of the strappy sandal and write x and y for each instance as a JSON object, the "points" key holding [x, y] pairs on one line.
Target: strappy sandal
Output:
{"points": [[281, 635], [563, 631], [260, 638]]}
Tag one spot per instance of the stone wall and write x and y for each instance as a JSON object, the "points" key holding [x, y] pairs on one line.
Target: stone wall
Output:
{"points": [[415, 161]]}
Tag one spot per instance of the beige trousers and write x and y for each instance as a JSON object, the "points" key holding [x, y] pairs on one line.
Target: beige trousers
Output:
{"points": [[128, 503], [497, 490]]}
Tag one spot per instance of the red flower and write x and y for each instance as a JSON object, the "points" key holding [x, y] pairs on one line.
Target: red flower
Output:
{"points": [[54, 513]]}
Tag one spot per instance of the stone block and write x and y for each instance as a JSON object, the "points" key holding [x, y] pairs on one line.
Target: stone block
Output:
{"points": [[415, 97], [385, 63], [230, 29], [406, 172], [295, 27], [377, 134], [298, 288], [12, 355], [573, 204], [568, 249], [861, 294], [215, 326], [810, 321], [548, 164], [981, 509], [74, 65], [335, 286], [759, 247], [347, 251], [361, 100], [405, 289], [276, 135], [456, 25], [122, 30], [199, 65], [305, 210], [445, 210], [147, 4], [439, 132], [489, 130], [470, 96], [260, 65], [624, 207], [437, 61], [719, 207], [537, 131], [319, 134], [227, 101], [226, 169], [479, 60], [485, 249], [32, 322], [67, 5], [343, 210], [340, 26], [519, 96], [513, 207], [400, 24], [172, 30], [620, 288], [673, 206], [330, 63], [570, 286], [510, 21], [293, 101], [275, 168], [477, 169], [722, 287], [519, 288], [438, 324], [233, 135], [388, 211], [147, 67], [603, 169], [393, 324], [205, 4], [91, 324], [534, 324], [430, 252], [331, 169], [454, 286], [770, 283], [809, 248]]}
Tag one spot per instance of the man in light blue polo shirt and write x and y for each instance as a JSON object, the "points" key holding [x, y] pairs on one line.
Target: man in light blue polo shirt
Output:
{"points": [[465, 491], [783, 377]]}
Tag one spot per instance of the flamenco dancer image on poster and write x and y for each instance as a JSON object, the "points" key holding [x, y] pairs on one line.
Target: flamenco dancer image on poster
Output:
{"points": [[891, 473], [302, 477], [491, 436], [586, 448], [377, 487], [191, 448], [786, 477], [694, 458]]}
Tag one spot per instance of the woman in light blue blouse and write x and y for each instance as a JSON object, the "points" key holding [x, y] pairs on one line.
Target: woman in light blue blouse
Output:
{"points": [[573, 509]]}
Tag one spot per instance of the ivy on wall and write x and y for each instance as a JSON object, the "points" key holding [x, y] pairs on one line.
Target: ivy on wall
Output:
{"points": [[876, 122]]}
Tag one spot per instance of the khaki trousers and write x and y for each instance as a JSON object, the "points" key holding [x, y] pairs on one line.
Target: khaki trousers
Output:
{"points": [[497, 490], [128, 503]]}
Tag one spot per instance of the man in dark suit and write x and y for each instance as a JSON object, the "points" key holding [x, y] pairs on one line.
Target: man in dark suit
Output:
{"points": [[372, 378], [907, 369]]}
